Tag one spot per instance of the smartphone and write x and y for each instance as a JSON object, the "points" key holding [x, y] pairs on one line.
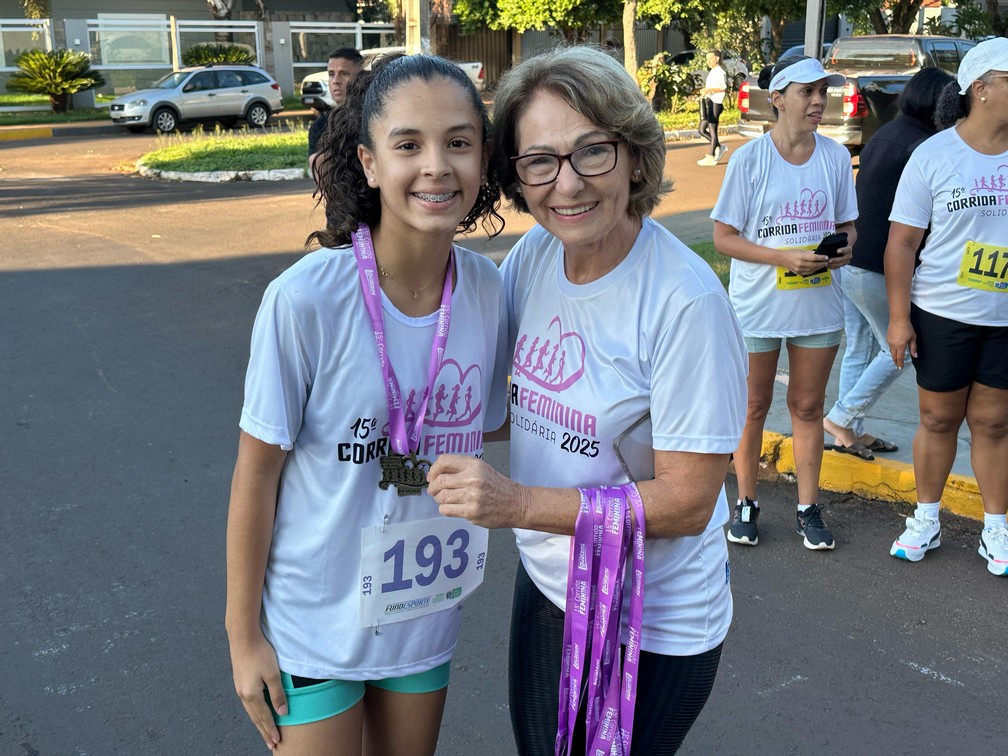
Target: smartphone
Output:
{"points": [[830, 246]]}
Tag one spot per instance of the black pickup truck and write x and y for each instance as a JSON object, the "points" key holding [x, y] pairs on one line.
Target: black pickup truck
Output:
{"points": [[877, 68]]}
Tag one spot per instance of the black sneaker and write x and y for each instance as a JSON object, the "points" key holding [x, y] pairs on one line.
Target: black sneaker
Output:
{"points": [[743, 528], [811, 525]]}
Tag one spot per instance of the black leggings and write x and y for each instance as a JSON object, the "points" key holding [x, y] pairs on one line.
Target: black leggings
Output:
{"points": [[671, 690], [710, 114]]}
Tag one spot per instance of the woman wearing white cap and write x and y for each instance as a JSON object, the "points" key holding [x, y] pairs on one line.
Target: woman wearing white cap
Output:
{"points": [[952, 311], [782, 194]]}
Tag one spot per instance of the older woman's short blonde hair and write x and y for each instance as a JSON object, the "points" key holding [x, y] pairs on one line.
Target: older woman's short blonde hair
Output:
{"points": [[601, 90]]}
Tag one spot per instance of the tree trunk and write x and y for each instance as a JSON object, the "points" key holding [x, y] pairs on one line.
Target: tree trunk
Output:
{"points": [[777, 37], [59, 102], [630, 37], [878, 21], [904, 15]]}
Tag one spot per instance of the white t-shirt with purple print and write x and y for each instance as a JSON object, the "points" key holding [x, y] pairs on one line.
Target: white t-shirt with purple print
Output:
{"points": [[314, 386], [776, 204], [963, 195], [656, 334]]}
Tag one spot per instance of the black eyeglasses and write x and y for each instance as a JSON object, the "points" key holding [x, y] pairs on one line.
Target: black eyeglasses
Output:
{"points": [[538, 168]]}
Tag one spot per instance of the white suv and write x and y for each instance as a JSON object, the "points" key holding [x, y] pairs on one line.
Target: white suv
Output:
{"points": [[215, 92]]}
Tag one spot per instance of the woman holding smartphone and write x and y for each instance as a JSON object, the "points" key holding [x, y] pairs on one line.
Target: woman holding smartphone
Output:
{"points": [[782, 194]]}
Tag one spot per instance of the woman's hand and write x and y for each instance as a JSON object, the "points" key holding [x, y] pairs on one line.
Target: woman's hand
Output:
{"points": [[802, 262], [469, 488], [254, 665], [901, 337], [843, 256]]}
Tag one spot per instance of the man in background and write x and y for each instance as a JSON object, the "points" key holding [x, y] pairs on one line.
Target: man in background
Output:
{"points": [[344, 65]]}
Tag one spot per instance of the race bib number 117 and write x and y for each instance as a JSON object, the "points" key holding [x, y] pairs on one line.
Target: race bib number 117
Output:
{"points": [[984, 267], [416, 568]]}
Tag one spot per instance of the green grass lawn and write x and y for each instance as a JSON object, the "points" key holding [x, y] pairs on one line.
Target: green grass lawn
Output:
{"points": [[717, 261], [237, 150]]}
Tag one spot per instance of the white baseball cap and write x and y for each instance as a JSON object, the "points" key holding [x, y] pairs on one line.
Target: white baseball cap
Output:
{"points": [[989, 55], [805, 71]]}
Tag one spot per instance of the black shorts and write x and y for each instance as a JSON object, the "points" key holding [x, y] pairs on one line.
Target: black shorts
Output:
{"points": [[952, 355]]}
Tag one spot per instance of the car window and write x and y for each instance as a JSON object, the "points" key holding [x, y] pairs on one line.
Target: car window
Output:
{"points": [[253, 77], [864, 52], [228, 79], [945, 56], [201, 82], [964, 46]]}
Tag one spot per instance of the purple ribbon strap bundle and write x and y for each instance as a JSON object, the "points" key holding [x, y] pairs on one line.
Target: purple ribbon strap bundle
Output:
{"points": [[594, 673]]}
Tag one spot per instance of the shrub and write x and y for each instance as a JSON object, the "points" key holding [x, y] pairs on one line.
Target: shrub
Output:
{"points": [[218, 52], [57, 73], [666, 85]]}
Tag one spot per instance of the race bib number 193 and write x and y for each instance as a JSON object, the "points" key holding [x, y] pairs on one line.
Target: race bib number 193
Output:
{"points": [[417, 568], [984, 267]]}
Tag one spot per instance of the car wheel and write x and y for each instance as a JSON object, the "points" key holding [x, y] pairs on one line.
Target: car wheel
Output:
{"points": [[258, 115], [136, 129], [165, 121]]}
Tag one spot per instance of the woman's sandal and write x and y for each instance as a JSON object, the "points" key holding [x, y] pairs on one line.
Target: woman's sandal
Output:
{"points": [[881, 445], [856, 449]]}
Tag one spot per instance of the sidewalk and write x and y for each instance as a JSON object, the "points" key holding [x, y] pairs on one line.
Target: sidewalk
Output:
{"points": [[894, 417], [889, 476]]}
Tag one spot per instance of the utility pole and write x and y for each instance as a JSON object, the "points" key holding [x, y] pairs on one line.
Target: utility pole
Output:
{"points": [[815, 24], [417, 26]]}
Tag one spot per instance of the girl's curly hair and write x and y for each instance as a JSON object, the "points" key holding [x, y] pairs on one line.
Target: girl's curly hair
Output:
{"points": [[342, 185]]}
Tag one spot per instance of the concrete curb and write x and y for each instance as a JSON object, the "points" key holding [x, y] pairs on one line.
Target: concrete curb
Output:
{"points": [[219, 177], [878, 479]]}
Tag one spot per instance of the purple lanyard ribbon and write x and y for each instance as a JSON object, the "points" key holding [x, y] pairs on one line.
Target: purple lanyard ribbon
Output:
{"points": [[610, 520], [401, 439]]}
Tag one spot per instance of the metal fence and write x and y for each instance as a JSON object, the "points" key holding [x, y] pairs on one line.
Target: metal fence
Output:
{"points": [[133, 52]]}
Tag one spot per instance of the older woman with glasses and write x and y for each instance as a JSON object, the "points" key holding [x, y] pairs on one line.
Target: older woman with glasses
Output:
{"points": [[628, 365]]}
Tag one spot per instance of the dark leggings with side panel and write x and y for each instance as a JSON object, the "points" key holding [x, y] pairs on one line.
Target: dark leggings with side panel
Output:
{"points": [[671, 690], [709, 126]]}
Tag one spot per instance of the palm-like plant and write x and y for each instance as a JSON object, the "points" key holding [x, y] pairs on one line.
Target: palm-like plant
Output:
{"points": [[57, 73]]}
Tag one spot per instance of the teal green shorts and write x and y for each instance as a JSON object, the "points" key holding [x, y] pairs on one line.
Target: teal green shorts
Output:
{"points": [[757, 344], [313, 703]]}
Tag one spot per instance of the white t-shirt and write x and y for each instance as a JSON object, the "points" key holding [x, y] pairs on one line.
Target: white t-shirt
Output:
{"points": [[656, 334], [314, 386], [716, 79], [963, 195], [776, 204]]}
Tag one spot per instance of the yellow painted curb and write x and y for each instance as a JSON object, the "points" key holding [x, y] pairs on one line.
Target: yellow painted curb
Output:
{"points": [[27, 132], [877, 479]]}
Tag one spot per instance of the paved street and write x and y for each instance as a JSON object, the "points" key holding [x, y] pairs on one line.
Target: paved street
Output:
{"points": [[126, 307]]}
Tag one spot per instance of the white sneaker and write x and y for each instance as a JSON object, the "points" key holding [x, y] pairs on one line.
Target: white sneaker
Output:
{"points": [[994, 548], [921, 535], [722, 151], [707, 160]]}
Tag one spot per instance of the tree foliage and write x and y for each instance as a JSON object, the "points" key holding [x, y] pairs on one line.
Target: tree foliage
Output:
{"points": [[203, 53], [57, 73], [573, 18], [36, 8]]}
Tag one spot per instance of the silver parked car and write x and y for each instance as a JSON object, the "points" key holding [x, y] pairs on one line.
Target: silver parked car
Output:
{"points": [[215, 92]]}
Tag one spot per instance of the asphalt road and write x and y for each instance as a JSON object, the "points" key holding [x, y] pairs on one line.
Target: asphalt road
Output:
{"points": [[126, 307]]}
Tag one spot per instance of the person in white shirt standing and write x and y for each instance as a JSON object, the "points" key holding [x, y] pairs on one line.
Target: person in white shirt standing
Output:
{"points": [[951, 312], [344, 584], [781, 195], [712, 105]]}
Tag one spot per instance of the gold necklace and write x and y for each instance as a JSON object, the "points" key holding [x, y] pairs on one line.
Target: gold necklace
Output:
{"points": [[414, 292]]}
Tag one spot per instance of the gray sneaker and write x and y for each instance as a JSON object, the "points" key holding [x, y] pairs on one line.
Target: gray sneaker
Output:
{"points": [[743, 529], [810, 525]]}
